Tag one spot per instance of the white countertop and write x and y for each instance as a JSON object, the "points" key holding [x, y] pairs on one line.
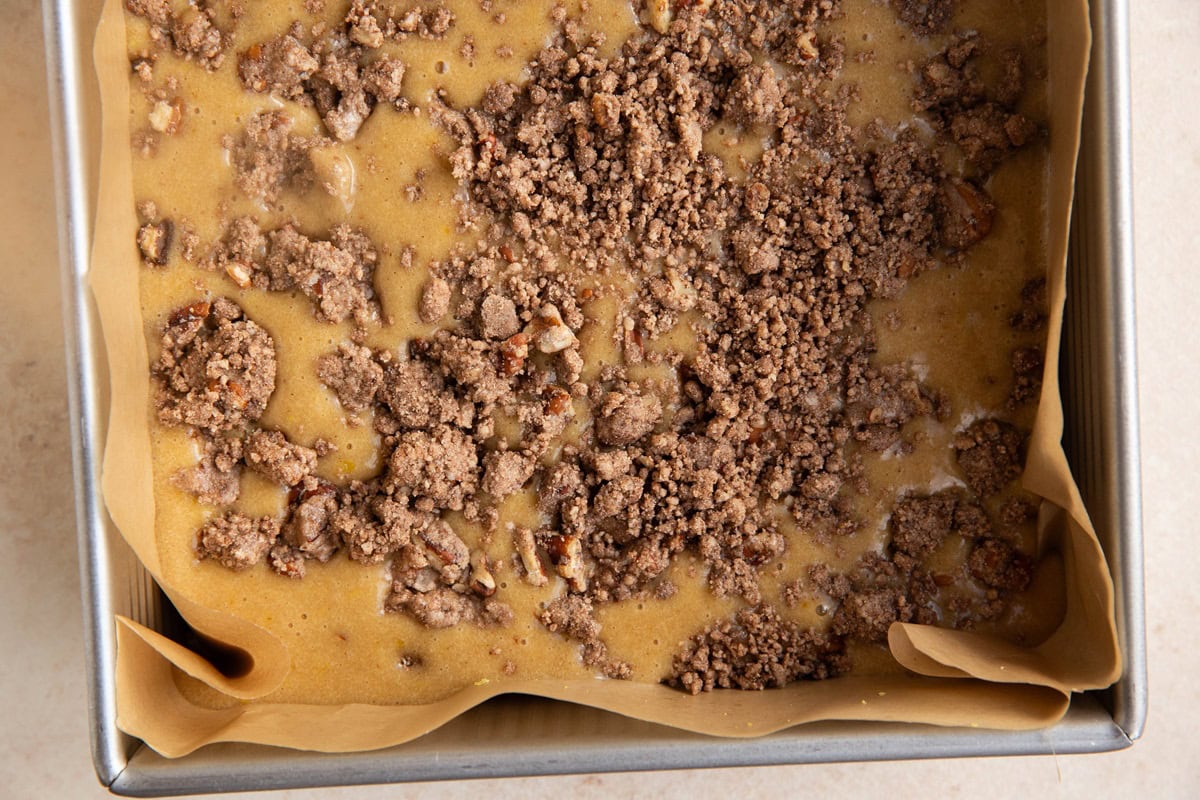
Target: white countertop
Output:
{"points": [[43, 736]]}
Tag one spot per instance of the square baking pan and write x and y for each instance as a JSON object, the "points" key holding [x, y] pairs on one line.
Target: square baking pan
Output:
{"points": [[513, 736]]}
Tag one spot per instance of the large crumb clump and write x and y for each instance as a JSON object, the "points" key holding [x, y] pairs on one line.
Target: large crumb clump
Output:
{"points": [[216, 368]]}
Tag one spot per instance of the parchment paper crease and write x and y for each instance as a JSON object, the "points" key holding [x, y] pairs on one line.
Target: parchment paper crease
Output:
{"points": [[962, 679]]}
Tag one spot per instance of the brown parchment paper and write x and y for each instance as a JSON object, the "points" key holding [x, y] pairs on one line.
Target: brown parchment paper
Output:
{"points": [[959, 678]]}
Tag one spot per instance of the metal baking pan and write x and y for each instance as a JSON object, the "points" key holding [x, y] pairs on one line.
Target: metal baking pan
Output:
{"points": [[525, 736]]}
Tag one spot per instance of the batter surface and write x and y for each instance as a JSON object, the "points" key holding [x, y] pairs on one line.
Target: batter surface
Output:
{"points": [[501, 339]]}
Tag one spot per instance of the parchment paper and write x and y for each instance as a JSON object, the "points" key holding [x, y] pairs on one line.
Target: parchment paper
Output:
{"points": [[960, 679]]}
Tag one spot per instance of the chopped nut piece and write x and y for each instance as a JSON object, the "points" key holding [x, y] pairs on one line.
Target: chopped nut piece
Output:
{"points": [[166, 116], [482, 581], [238, 273], [558, 401], [191, 313], [308, 530], [555, 339], [154, 240], [967, 214], [451, 553], [513, 353], [566, 552], [660, 13], [807, 45], [526, 547], [548, 331]]}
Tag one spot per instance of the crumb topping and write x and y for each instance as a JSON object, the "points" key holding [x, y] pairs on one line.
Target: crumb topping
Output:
{"points": [[216, 368], [335, 274]]}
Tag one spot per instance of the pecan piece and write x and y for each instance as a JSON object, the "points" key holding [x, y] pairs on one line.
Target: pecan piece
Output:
{"points": [[558, 400], [660, 13], [482, 581], [526, 549], [189, 313], [967, 214], [166, 116], [567, 554], [548, 331], [154, 241], [513, 353], [238, 273], [443, 543]]}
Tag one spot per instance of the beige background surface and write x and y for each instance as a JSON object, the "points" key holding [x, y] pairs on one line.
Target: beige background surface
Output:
{"points": [[43, 733]]}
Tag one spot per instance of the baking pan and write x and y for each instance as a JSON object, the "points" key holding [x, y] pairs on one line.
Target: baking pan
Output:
{"points": [[513, 736]]}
